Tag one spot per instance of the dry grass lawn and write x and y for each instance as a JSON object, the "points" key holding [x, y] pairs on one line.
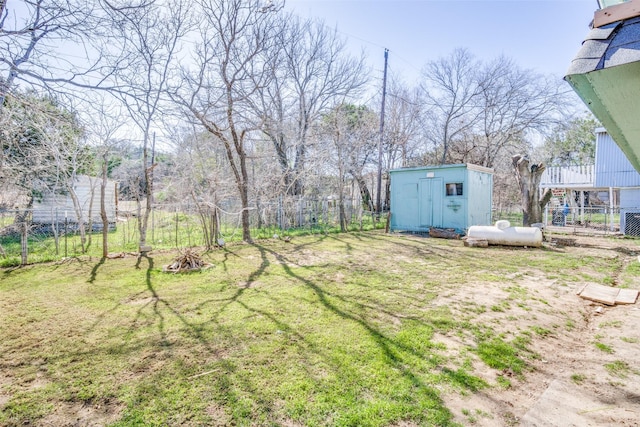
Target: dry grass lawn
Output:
{"points": [[358, 329]]}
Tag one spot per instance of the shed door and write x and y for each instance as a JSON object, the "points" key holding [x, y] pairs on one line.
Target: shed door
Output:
{"points": [[430, 202]]}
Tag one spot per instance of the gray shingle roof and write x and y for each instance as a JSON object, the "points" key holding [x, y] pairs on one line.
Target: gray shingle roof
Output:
{"points": [[613, 44]]}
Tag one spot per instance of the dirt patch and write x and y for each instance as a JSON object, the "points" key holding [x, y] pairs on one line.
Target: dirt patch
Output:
{"points": [[219, 416], [586, 372], [81, 414], [4, 399]]}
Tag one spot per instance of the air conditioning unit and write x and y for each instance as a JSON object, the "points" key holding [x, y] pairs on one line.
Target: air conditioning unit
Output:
{"points": [[632, 223]]}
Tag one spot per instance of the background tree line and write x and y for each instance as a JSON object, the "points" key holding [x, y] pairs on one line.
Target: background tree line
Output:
{"points": [[212, 101]]}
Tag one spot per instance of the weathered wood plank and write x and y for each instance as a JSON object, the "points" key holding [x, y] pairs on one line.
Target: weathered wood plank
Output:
{"points": [[616, 12], [599, 293], [443, 233], [472, 242], [627, 296]]}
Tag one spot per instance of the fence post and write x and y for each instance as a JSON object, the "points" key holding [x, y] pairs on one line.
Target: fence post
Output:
{"points": [[177, 220], [546, 214], [611, 207], [56, 233], [153, 223], [280, 214], [24, 239], [66, 223]]}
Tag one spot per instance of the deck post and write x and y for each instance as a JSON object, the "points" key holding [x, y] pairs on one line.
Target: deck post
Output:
{"points": [[611, 208]]}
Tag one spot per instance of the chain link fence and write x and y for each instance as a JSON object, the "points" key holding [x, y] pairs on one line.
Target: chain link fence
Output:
{"points": [[189, 225], [603, 220], [594, 219], [23, 240]]}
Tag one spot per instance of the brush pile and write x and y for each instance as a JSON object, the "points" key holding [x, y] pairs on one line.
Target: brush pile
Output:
{"points": [[188, 260]]}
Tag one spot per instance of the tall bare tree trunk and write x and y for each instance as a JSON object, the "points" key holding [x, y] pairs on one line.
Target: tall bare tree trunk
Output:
{"points": [[103, 207], [79, 215], [92, 186], [143, 218], [528, 177], [365, 194]]}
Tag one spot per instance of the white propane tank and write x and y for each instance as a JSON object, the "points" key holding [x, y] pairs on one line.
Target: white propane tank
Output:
{"points": [[503, 234]]}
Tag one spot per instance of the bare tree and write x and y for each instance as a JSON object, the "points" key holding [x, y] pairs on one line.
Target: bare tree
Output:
{"points": [[513, 102], [528, 176], [41, 152], [103, 127], [232, 63], [403, 125], [478, 110], [361, 138], [312, 71], [37, 134], [349, 136], [56, 45], [201, 179], [151, 35], [451, 89]]}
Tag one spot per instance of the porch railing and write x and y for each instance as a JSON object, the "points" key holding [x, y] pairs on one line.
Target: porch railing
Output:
{"points": [[568, 176]]}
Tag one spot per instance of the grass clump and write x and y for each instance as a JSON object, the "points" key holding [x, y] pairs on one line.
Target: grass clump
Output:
{"points": [[618, 369], [578, 378], [604, 347], [500, 354]]}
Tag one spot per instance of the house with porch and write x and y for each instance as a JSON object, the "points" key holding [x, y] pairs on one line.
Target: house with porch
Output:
{"points": [[610, 184]]}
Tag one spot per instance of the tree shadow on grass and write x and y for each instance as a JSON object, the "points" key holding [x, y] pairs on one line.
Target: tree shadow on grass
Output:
{"points": [[395, 353], [94, 270], [391, 349], [157, 303]]}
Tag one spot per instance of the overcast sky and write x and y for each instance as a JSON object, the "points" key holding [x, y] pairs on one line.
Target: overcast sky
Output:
{"points": [[543, 35]]}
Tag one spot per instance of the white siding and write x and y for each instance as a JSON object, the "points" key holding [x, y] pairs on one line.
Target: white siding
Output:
{"points": [[55, 207]]}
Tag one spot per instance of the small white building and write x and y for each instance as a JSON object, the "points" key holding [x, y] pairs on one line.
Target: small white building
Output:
{"points": [[54, 207]]}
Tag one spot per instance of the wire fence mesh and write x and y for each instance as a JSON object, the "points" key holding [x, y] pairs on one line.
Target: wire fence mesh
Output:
{"points": [[594, 219], [23, 240]]}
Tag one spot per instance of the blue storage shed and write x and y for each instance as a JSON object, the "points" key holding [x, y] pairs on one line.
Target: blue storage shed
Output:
{"points": [[448, 196]]}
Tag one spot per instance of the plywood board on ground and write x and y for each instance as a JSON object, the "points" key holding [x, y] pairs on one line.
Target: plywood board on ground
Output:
{"points": [[627, 296], [608, 295]]}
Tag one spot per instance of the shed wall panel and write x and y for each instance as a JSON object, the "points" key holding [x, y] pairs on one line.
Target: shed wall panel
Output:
{"points": [[613, 169], [630, 199], [481, 187]]}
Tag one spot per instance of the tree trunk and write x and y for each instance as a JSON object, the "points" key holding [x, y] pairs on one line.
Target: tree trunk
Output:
{"points": [[143, 220], [528, 178], [246, 225], [79, 215], [103, 208], [387, 193], [92, 186], [365, 194]]}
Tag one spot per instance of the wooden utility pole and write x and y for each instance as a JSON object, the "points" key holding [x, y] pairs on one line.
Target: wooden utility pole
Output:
{"points": [[384, 95]]}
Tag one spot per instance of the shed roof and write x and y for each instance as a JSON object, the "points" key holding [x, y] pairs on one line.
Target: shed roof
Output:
{"points": [[469, 166]]}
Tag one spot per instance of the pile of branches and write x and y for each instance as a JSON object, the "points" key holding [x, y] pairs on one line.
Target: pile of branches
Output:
{"points": [[188, 260]]}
